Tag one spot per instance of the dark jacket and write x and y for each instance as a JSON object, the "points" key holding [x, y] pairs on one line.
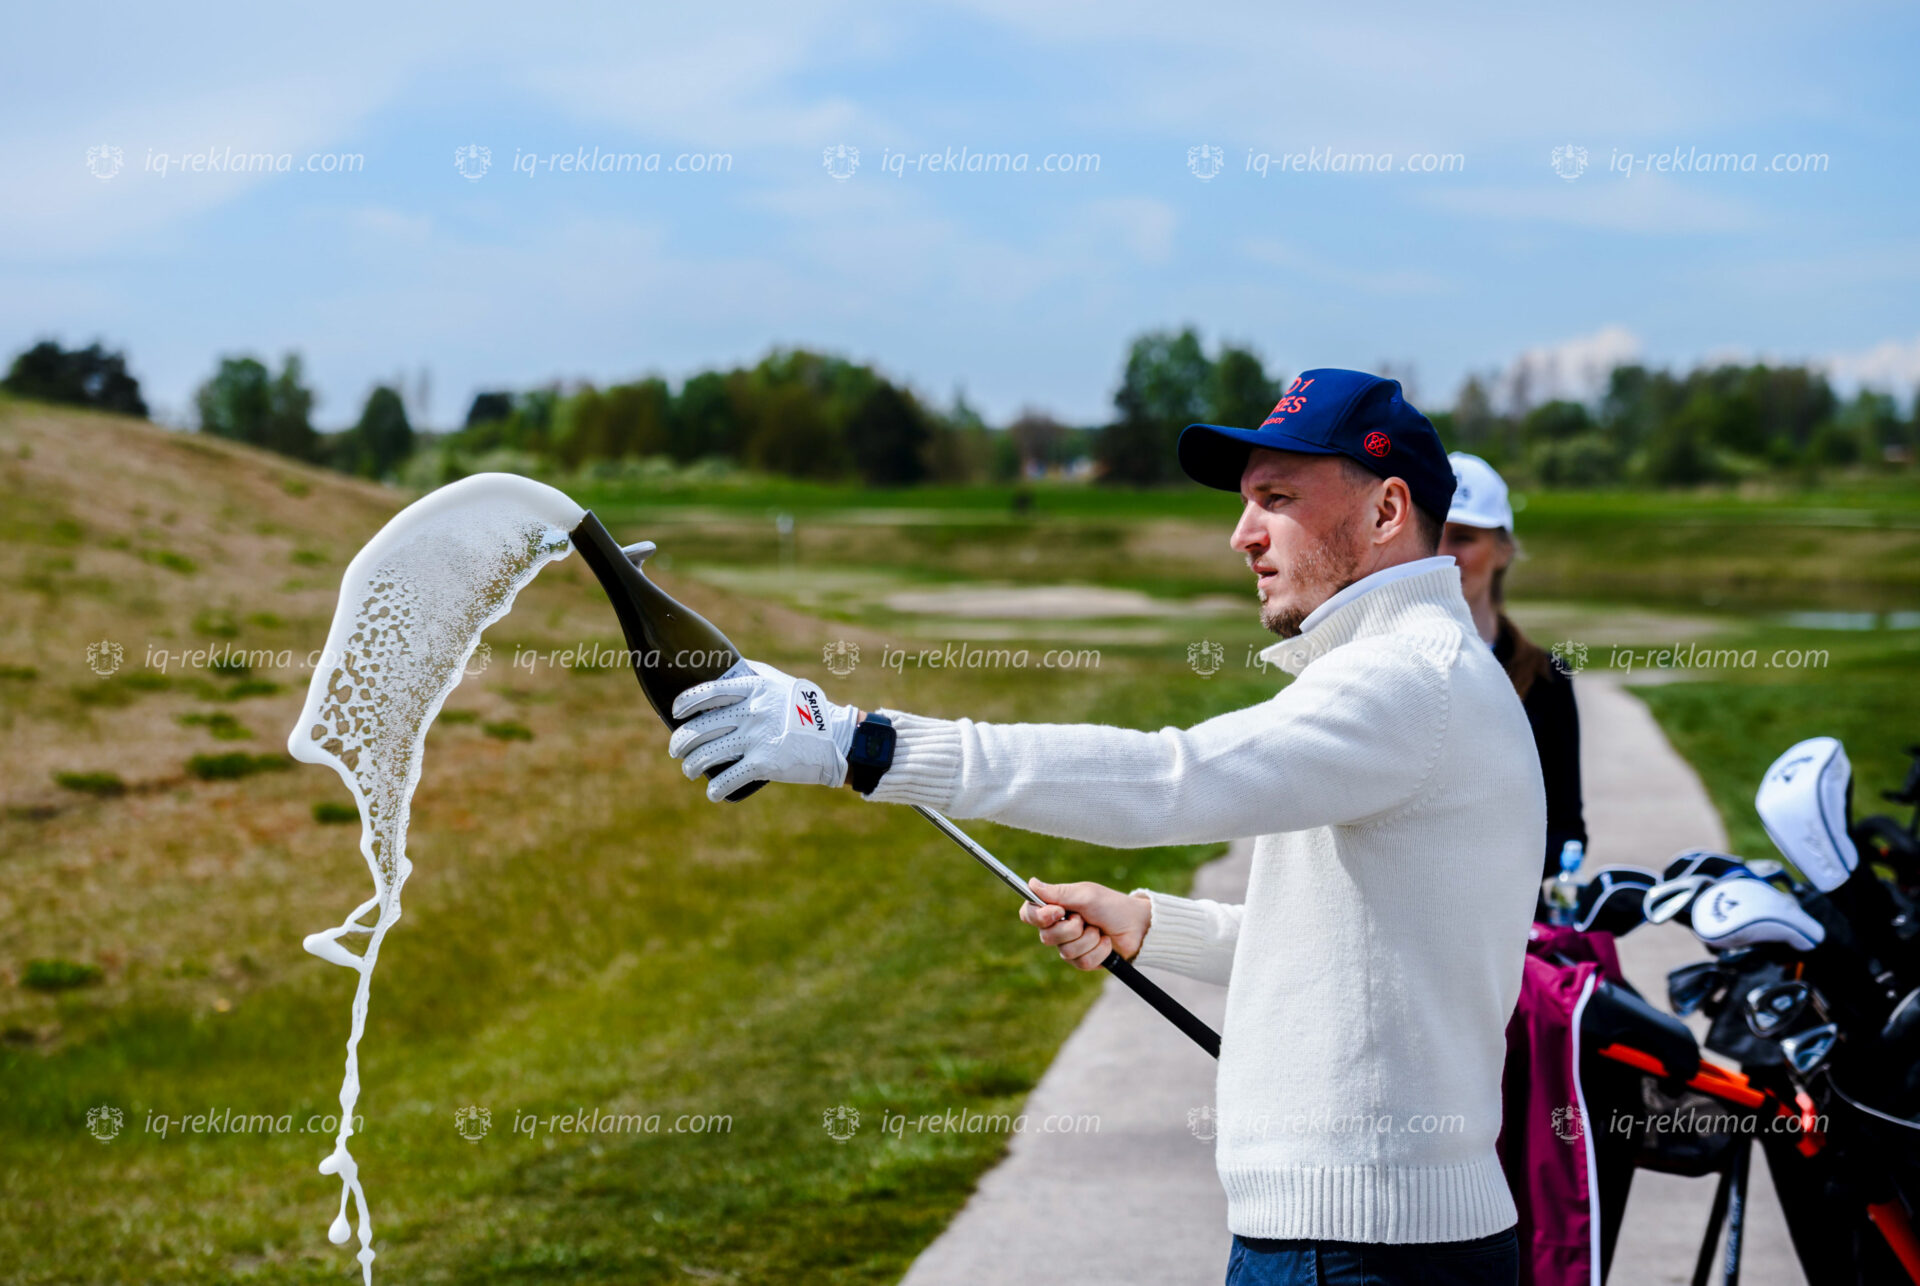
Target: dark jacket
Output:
{"points": [[1546, 691]]}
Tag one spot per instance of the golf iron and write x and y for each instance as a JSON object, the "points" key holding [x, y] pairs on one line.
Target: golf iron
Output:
{"points": [[673, 648]]}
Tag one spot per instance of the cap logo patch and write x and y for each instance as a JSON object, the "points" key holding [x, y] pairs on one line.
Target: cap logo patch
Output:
{"points": [[1377, 444]]}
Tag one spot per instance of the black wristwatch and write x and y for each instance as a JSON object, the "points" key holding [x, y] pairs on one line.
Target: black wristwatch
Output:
{"points": [[871, 753]]}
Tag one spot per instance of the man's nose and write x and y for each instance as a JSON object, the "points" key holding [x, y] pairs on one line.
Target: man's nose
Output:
{"points": [[1249, 535]]}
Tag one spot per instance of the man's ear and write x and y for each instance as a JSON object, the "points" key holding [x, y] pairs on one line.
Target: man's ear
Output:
{"points": [[1392, 510]]}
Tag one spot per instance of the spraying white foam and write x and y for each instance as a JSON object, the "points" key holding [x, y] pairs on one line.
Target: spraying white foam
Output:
{"points": [[412, 607]]}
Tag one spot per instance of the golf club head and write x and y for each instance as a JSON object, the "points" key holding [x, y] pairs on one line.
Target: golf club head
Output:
{"points": [[1803, 801], [1807, 1050], [1741, 911], [1774, 1007], [1692, 986], [1670, 898], [1614, 900]]}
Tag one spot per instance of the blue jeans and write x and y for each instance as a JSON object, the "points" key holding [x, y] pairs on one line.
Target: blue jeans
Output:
{"points": [[1484, 1261]]}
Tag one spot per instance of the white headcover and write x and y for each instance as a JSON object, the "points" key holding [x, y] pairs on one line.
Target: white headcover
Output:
{"points": [[1802, 802], [1742, 911]]}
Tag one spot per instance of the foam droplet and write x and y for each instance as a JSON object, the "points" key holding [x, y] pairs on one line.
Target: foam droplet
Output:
{"points": [[341, 1230]]}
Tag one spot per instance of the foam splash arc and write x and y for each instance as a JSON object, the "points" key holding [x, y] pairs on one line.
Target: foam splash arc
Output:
{"points": [[471, 547]]}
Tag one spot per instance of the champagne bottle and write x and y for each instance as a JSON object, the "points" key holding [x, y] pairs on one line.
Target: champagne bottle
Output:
{"points": [[673, 647]]}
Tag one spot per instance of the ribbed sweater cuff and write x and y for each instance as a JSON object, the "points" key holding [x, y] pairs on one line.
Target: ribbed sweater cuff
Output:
{"points": [[926, 762], [1179, 936]]}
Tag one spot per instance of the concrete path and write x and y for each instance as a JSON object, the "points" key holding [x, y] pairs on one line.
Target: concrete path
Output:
{"points": [[1137, 1200]]}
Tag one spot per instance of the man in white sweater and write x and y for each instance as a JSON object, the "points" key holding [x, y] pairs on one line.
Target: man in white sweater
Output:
{"points": [[1396, 798]]}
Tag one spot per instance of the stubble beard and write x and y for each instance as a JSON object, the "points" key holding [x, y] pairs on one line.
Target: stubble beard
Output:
{"points": [[1314, 575]]}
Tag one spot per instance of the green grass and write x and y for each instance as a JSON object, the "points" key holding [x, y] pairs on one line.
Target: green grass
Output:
{"points": [[104, 784], [235, 765], [1732, 726], [221, 725], [332, 813], [58, 975]]}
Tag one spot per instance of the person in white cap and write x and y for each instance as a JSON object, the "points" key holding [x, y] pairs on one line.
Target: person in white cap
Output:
{"points": [[1479, 536]]}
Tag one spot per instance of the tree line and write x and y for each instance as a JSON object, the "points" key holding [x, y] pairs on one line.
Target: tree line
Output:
{"points": [[811, 415]]}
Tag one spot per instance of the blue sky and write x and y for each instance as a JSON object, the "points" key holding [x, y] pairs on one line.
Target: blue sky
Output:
{"points": [[1022, 288]]}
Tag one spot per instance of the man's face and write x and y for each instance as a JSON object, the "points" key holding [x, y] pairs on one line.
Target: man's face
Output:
{"points": [[1303, 531]]}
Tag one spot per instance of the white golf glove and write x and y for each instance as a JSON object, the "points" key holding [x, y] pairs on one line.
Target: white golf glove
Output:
{"points": [[778, 727]]}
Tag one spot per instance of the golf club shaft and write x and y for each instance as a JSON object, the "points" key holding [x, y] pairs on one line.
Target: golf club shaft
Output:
{"points": [[1170, 1009]]}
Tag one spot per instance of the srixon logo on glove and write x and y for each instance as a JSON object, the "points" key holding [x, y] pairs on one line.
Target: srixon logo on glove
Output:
{"points": [[811, 712]]}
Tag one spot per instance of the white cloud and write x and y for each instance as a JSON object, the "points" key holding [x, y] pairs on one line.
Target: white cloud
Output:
{"points": [[1892, 365], [1574, 368]]}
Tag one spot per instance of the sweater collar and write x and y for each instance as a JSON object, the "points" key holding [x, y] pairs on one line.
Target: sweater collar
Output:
{"points": [[1389, 599]]}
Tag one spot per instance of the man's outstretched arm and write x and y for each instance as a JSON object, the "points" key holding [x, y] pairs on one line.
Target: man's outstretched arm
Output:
{"points": [[1353, 736]]}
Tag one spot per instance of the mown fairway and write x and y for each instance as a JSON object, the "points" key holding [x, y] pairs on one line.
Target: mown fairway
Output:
{"points": [[583, 931]]}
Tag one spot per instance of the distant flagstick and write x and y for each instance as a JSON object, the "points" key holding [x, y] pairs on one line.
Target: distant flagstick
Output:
{"points": [[1170, 1009]]}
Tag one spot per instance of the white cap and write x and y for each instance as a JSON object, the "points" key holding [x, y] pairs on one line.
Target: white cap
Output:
{"points": [[1479, 494]]}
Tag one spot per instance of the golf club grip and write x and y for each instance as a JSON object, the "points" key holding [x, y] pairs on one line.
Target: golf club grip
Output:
{"points": [[1170, 1009]]}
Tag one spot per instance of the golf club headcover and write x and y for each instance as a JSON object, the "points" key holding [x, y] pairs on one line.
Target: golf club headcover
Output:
{"points": [[1803, 801], [1613, 900], [1702, 861], [1745, 911]]}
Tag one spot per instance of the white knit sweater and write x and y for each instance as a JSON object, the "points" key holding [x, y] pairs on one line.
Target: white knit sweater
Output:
{"points": [[1396, 795]]}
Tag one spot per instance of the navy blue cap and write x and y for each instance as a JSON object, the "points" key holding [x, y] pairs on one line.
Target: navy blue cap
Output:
{"points": [[1332, 412]]}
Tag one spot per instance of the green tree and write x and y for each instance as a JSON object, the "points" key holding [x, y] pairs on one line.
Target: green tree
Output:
{"points": [[383, 438], [489, 408], [88, 376], [1239, 392], [640, 418], [1555, 421], [1680, 452], [1163, 389], [887, 434], [243, 401], [705, 421]]}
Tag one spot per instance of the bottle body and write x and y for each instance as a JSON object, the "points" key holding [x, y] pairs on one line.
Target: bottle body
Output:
{"points": [[672, 646], [1563, 891]]}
